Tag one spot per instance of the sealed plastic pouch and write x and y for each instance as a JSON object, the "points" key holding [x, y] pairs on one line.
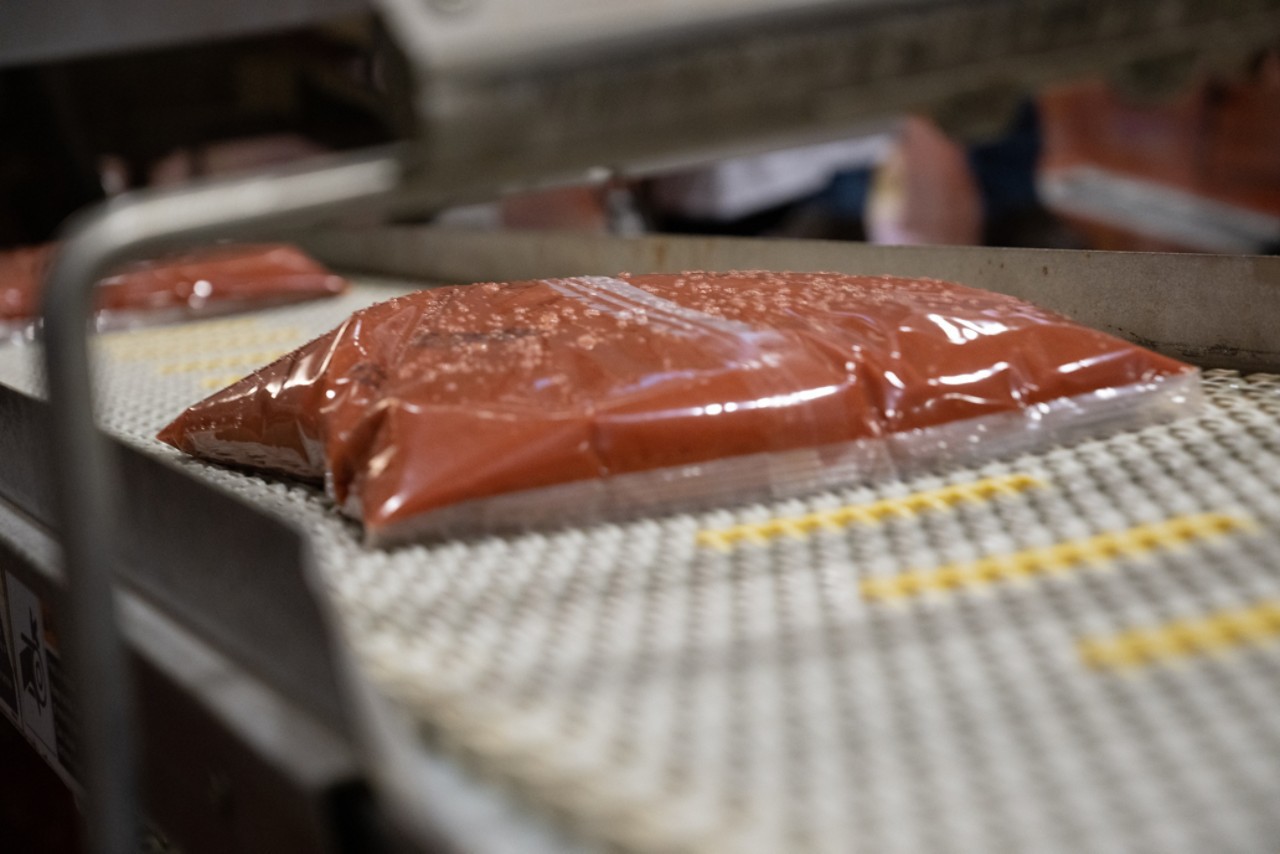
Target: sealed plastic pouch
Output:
{"points": [[201, 283], [508, 406]]}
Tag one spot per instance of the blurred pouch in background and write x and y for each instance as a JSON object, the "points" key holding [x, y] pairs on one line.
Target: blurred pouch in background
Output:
{"points": [[497, 407], [1200, 172], [205, 282]]}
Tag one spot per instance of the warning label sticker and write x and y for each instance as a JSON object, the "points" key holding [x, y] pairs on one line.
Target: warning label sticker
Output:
{"points": [[29, 645], [8, 683]]}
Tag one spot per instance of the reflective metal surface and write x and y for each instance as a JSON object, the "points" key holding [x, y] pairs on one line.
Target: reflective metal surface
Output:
{"points": [[517, 90]]}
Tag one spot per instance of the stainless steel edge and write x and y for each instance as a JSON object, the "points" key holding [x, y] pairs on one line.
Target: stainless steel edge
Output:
{"points": [[35, 31], [199, 555], [234, 757], [1213, 310], [228, 763], [516, 90]]}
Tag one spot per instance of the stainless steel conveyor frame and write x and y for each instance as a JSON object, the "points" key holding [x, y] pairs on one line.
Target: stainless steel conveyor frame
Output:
{"points": [[507, 99]]}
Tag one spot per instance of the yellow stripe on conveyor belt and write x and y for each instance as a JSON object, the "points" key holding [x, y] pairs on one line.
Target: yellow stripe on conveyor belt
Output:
{"points": [[221, 381], [1101, 549], [1193, 636], [148, 336], [222, 363], [869, 514], [180, 346]]}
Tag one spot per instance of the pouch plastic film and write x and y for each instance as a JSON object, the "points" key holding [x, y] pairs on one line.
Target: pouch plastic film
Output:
{"points": [[508, 406], [201, 283]]}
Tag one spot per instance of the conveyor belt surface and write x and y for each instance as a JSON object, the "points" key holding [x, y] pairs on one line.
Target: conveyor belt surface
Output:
{"points": [[1074, 650]]}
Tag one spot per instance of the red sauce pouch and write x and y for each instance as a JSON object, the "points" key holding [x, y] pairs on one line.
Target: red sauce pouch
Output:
{"points": [[201, 283], [511, 406]]}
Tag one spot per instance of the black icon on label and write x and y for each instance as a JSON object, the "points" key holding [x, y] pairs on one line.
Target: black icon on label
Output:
{"points": [[31, 665]]}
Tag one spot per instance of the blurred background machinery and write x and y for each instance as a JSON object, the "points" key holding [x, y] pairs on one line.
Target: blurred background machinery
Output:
{"points": [[989, 122]]}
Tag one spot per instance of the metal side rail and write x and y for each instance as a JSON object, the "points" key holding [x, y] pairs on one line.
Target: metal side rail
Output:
{"points": [[228, 762]]}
